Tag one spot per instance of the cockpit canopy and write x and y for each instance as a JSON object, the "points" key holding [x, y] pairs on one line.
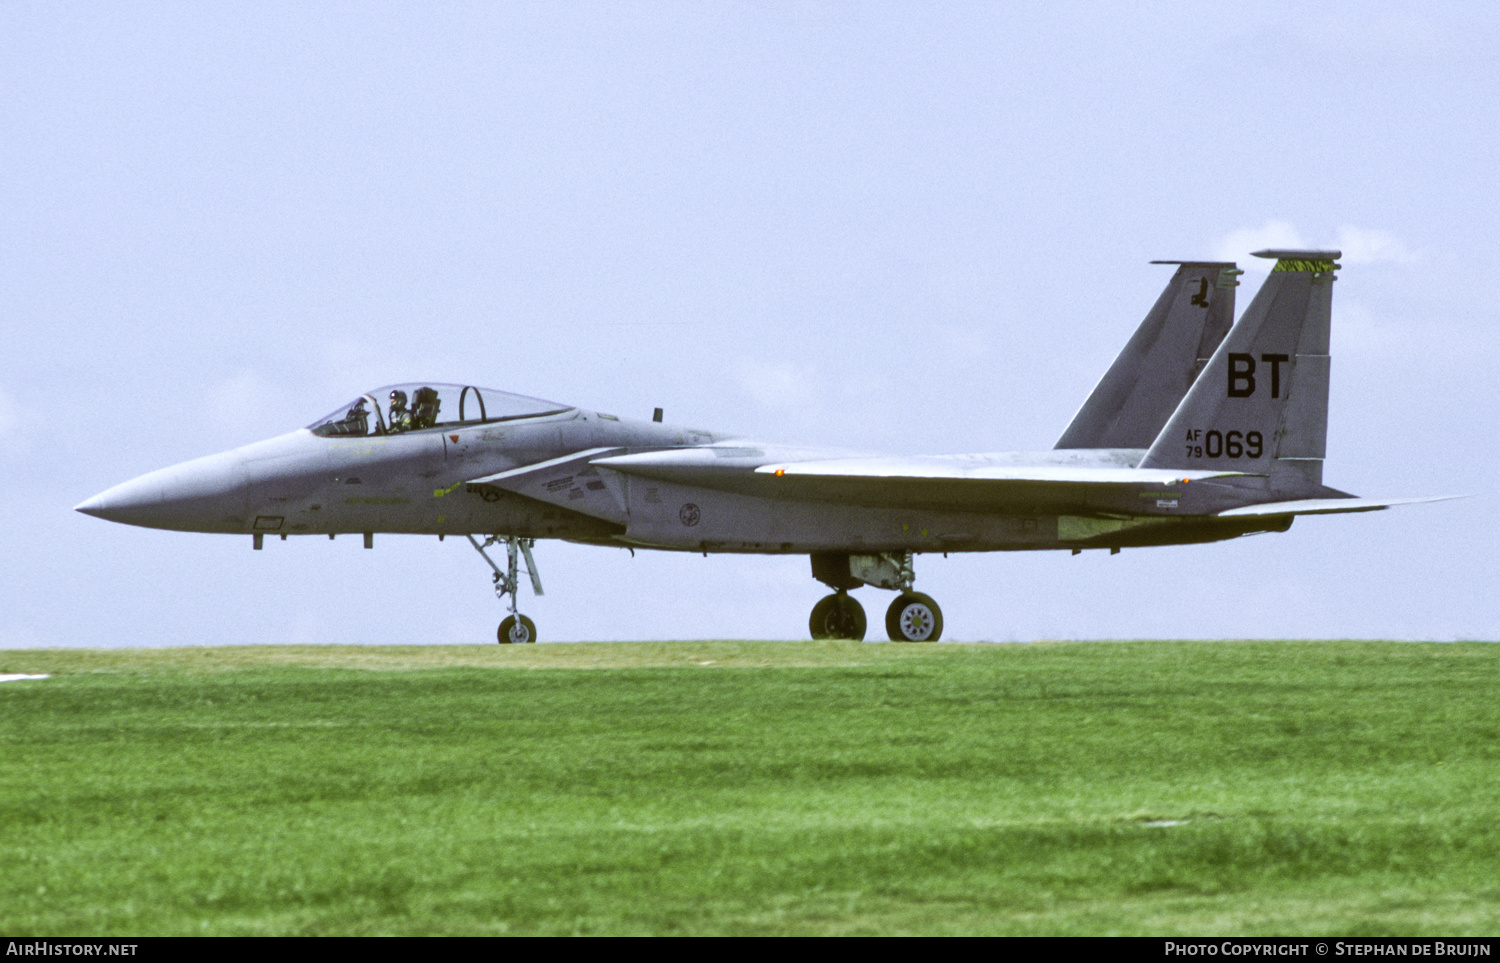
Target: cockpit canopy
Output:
{"points": [[413, 407]]}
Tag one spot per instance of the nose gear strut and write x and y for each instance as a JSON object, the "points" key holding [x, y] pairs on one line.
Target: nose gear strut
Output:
{"points": [[516, 628]]}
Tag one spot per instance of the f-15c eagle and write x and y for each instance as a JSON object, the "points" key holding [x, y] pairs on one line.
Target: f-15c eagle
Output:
{"points": [[1203, 429]]}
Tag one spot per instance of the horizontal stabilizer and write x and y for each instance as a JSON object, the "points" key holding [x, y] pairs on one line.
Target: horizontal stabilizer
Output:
{"points": [[1329, 506]]}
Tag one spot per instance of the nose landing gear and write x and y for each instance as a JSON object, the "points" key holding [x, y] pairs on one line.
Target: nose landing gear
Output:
{"points": [[517, 628]]}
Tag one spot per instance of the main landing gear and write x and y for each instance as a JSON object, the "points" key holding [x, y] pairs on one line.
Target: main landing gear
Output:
{"points": [[516, 628], [912, 617], [838, 616]]}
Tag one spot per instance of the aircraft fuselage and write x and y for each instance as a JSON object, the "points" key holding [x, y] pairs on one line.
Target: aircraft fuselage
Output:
{"points": [[421, 483], [1201, 431]]}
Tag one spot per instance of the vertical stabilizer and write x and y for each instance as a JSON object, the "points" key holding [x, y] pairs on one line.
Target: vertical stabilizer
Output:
{"points": [[1139, 392], [1261, 404]]}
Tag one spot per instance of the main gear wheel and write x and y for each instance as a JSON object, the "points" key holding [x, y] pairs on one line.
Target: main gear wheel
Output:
{"points": [[914, 617], [838, 616]]}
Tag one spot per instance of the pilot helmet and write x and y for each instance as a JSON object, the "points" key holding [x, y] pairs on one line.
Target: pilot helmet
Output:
{"points": [[398, 399]]}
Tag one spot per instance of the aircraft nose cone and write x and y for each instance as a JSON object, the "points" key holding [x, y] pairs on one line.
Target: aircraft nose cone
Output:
{"points": [[203, 495], [129, 503]]}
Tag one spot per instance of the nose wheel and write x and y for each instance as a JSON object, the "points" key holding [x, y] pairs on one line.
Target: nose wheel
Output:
{"points": [[914, 617], [838, 616], [517, 629]]}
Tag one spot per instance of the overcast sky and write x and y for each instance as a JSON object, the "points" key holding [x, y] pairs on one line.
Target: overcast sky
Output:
{"points": [[920, 228]]}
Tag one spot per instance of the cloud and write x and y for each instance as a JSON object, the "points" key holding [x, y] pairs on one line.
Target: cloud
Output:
{"points": [[1237, 244], [1359, 245], [1372, 247]]}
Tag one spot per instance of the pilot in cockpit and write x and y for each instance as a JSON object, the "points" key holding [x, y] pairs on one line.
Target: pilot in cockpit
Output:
{"points": [[424, 408], [400, 419], [357, 419]]}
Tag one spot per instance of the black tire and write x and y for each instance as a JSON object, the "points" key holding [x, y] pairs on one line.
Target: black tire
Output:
{"points": [[517, 630], [914, 617], [838, 617]]}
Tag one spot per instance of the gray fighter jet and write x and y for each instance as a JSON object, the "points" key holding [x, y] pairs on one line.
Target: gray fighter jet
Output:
{"points": [[1201, 431]]}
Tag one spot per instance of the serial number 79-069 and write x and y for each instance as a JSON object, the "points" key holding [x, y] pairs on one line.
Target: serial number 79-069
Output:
{"points": [[1224, 444]]}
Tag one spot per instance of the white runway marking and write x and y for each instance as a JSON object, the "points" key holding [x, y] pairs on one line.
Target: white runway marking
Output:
{"points": [[18, 678]]}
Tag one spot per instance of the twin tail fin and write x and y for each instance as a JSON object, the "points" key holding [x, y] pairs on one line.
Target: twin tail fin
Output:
{"points": [[1261, 404], [1136, 396]]}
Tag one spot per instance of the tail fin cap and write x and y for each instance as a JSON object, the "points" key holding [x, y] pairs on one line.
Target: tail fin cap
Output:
{"points": [[1313, 262], [1289, 255]]}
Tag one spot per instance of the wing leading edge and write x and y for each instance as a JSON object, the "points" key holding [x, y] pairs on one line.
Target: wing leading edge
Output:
{"points": [[964, 483]]}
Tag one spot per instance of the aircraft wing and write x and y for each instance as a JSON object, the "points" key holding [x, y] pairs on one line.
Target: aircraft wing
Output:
{"points": [[589, 481], [1329, 506], [900, 469], [959, 484], [919, 483]]}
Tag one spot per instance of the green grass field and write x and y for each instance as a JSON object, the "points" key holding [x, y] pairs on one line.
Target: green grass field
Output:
{"points": [[1340, 788]]}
